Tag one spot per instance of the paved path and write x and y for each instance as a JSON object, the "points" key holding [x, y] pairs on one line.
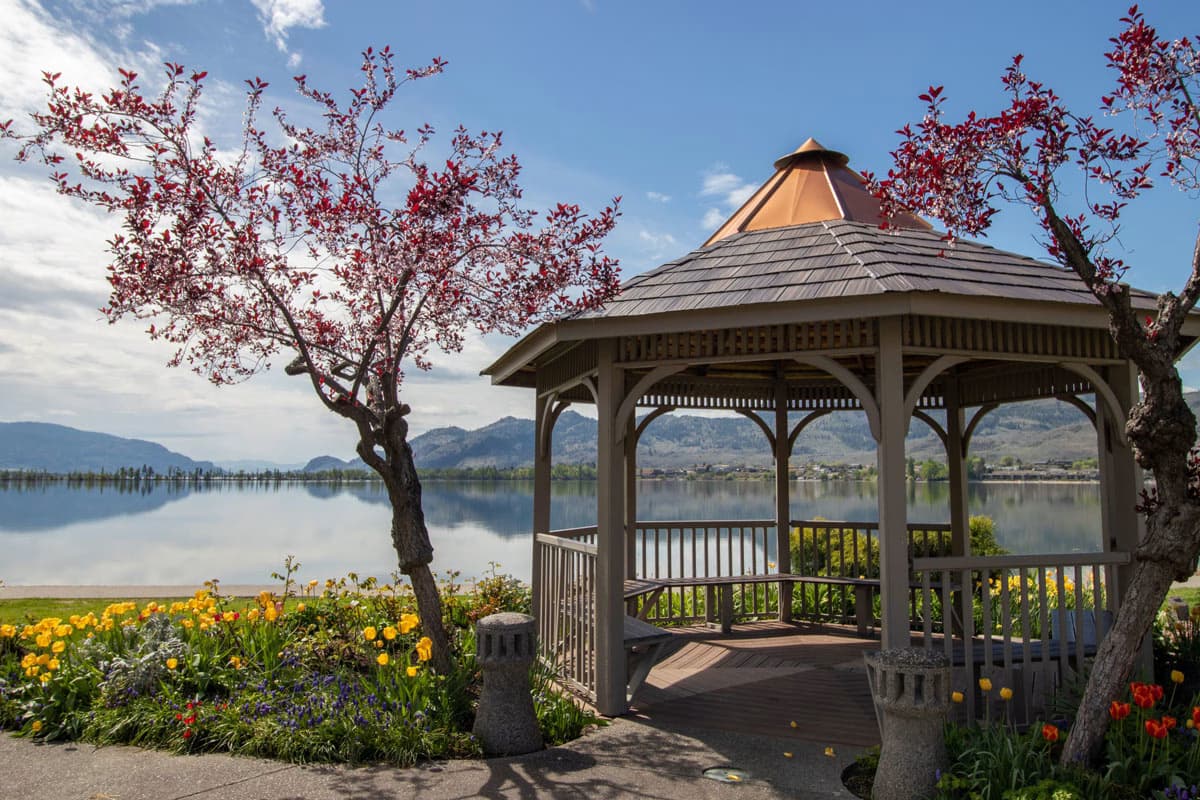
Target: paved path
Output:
{"points": [[626, 759]]}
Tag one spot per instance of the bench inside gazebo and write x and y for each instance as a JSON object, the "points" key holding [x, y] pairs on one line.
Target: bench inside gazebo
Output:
{"points": [[799, 306]]}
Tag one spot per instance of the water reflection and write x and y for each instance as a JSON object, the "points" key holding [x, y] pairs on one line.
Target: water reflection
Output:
{"points": [[240, 533]]}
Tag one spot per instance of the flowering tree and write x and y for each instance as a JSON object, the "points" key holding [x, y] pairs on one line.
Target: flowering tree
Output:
{"points": [[291, 247], [961, 172]]}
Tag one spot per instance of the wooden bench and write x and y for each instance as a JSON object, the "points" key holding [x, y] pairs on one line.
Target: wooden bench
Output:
{"points": [[643, 649], [718, 607]]}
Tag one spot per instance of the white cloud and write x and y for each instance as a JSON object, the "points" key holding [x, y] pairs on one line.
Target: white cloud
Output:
{"points": [[730, 191], [658, 197], [280, 16], [656, 239]]}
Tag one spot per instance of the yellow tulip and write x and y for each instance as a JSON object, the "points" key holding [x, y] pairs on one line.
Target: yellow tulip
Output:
{"points": [[172, 663], [58, 646], [985, 684], [382, 659], [1006, 693], [369, 633], [36, 727], [408, 622], [1176, 676], [389, 633], [425, 649], [956, 697], [412, 673]]}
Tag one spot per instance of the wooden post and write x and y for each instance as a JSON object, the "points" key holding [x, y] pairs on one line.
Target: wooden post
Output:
{"points": [[893, 509], [956, 461], [610, 523], [630, 527], [783, 497], [631, 469], [541, 491], [1120, 483]]}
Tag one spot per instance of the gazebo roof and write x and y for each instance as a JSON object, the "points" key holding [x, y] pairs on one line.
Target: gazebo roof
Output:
{"points": [[807, 247], [838, 259], [811, 184]]}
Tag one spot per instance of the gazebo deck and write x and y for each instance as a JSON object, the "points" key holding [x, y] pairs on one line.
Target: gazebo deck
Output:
{"points": [[760, 678]]}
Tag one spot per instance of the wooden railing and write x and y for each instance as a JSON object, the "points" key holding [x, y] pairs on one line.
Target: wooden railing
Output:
{"points": [[708, 549], [565, 605], [730, 548], [1026, 623], [849, 550]]}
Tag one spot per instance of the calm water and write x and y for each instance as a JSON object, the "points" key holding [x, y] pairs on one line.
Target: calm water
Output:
{"points": [[161, 534]]}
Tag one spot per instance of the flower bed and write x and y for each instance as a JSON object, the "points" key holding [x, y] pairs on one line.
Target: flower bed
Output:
{"points": [[336, 672]]}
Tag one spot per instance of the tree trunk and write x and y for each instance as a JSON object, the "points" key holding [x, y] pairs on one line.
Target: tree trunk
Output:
{"points": [[1162, 430], [1115, 659], [410, 537]]}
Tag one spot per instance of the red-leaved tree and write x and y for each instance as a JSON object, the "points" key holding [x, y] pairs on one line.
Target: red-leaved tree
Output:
{"points": [[1039, 154], [338, 248]]}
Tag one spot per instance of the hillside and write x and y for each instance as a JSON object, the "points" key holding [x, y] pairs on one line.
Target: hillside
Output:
{"points": [[1035, 431], [57, 448]]}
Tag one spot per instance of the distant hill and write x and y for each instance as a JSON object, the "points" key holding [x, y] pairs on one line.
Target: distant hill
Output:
{"points": [[57, 448], [1038, 430], [326, 463]]}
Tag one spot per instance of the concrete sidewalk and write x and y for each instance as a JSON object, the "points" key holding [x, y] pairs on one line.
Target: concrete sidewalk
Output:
{"points": [[625, 759]]}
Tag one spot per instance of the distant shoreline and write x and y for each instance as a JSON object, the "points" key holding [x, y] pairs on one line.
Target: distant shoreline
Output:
{"points": [[518, 475]]}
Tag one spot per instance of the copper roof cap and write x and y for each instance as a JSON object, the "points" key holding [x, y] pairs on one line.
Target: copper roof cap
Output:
{"points": [[810, 184]]}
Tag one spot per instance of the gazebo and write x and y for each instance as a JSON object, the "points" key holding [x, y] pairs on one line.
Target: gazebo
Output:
{"points": [[800, 304]]}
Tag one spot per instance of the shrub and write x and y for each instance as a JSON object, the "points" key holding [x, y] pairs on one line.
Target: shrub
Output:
{"points": [[338, 675]]}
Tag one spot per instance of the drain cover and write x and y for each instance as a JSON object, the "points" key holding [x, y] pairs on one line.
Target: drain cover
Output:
{"points": [[726, 774]]}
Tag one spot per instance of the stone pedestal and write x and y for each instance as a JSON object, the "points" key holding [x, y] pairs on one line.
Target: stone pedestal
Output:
{"points": [[911, 690], [505, 647]]}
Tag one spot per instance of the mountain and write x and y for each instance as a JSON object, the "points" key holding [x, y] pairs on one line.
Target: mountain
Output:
{"points": [[57, 448], [326, 463], [1038, 430]]}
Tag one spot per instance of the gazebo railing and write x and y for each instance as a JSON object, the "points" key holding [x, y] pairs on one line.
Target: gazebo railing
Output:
{"points": [[707, 549], [849, 550], [1026, 623], [565, 605], [730, 548]]}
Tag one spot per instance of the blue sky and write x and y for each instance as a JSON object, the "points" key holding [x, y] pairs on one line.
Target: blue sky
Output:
{"points": [[680, 107]]}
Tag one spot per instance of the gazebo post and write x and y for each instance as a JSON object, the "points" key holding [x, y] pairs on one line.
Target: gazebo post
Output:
{"points": [[1120, 482], [541, 492], [630, 539], [783, 499], [956, 462], [893, 509], [610, 544]]}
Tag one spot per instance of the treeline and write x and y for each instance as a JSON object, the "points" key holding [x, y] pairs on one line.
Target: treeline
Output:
{"points": [[136, 476]]}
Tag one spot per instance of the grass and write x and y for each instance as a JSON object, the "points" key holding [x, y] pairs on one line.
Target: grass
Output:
{"points": [[30, 610], [1189, 596]]}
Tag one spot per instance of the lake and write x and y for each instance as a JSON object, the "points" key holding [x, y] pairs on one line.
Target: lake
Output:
{"points": [[240, 533]]}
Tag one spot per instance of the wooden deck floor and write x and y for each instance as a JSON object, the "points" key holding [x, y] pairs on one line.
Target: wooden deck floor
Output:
{"points": [[760, 678]]}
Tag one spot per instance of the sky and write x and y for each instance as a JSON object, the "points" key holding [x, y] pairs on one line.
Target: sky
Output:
{"points": [[679, 107]]}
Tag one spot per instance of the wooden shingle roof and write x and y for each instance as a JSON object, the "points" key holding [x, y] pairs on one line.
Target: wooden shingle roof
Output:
{"points": [[837, 259]]}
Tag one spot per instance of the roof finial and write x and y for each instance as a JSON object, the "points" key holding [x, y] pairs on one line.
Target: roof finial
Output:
{"points": [[811, 150]]}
